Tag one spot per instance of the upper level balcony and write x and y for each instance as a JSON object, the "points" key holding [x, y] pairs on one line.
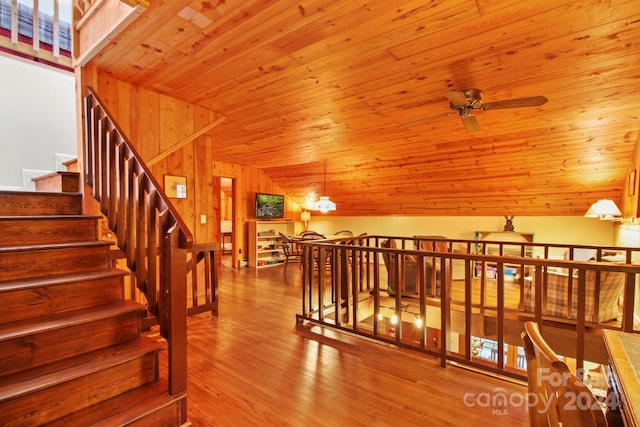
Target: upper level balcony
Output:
{"points": [[44, 36]]}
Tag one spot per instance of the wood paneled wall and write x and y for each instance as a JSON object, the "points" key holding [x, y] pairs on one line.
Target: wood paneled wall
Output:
{"points": [[156, 123]]}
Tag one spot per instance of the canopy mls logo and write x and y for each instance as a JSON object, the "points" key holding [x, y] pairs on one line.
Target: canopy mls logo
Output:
{"points": [[499, 400]]}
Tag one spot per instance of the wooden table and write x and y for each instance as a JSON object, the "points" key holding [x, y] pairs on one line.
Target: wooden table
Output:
{"points": [[227, 238], [624, 365]]}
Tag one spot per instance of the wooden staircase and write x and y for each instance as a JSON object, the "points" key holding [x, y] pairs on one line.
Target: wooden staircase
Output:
{"points": [[72, 352]]}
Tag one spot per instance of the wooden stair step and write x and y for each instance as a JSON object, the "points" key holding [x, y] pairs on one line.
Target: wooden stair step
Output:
{"points": [[45, 296], [71, 165], [46, 393], [39, 203], [36, 342], [63, 181], [53, 245], [24, 230], [149, 405], [61, 279], [83, 316], [26, 382], [18, 262]]}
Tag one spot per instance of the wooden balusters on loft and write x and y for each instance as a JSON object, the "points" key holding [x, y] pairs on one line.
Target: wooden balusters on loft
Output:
{"points": [[41, 33], [149, 230]]}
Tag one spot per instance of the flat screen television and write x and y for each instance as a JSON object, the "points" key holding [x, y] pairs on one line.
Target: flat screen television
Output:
{"points": [[269, 206]]}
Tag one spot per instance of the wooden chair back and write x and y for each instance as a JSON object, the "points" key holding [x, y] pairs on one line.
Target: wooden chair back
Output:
{"points": [[289, 246], [556, 396], [292, 252], [312, 235]]}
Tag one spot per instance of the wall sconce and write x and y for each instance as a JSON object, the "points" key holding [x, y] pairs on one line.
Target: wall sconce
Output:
{"points": [[305, 216], [604, 209]]}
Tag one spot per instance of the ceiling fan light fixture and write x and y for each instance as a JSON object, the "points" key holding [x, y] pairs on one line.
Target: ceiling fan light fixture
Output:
{"points": [[470, 122], [465, 101]]}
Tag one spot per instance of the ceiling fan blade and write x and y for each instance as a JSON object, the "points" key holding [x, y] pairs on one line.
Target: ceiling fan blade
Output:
{"points": [[456, 97], [533, 101], [470, 123], [426, 119]]}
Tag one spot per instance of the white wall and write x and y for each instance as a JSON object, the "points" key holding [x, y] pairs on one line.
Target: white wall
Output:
{"points": [[629, 235], [546, 229], [37, 117]]}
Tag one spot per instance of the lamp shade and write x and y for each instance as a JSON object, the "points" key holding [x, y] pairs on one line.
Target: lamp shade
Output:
{"points": [[604, 209], [305, 216], [324, 205]]}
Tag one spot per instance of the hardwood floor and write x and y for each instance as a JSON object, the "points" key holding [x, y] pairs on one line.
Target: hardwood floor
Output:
{"points": [[252, 366]]}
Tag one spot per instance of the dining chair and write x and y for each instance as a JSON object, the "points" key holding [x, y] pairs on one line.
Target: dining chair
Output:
{"points": [[292, 252], [347, 233], [556, 396], [311, 235], [314, 235]]}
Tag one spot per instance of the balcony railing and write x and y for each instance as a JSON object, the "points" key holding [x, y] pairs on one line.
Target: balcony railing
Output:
{"points": [[455, 300], [37, 29]]}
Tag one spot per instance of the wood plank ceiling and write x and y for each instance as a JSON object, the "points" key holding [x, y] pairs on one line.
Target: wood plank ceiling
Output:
{"points": [[304, 82]]}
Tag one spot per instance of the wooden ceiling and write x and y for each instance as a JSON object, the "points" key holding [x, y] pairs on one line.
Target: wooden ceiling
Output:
{"points": [[304, 82]]}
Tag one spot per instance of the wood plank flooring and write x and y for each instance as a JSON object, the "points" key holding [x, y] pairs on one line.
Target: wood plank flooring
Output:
{"points": [[251, 366]]}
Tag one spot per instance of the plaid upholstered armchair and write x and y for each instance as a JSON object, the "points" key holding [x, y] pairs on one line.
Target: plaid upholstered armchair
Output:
{"points": [[409, 274], [602, 300]]}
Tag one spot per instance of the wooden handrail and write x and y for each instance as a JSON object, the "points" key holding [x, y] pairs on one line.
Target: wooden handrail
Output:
{"points": [[148, 228]]}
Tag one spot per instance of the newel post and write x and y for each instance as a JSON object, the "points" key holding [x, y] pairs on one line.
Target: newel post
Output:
{"points": [[174, 309]]}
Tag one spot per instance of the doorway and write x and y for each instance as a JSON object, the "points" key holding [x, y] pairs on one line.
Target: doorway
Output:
{"points": [[226, 230]]}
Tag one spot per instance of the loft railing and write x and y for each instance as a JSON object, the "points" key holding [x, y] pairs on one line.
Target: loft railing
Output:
{"points": [[147, 227], [30, 30], [455, 300]]}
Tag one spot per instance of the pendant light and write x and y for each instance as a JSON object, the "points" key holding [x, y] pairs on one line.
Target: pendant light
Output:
{"points": [[324, 205]]}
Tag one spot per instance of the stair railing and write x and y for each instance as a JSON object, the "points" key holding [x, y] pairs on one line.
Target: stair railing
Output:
{"points": [[204, 253], [147, 226], [202, 281]]}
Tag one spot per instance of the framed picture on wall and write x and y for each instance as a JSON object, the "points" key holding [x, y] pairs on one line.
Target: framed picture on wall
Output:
{"points": [[175, 186]]}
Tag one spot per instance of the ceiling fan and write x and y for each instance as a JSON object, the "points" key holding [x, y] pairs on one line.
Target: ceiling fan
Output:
{"points": [[465, 101]]}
